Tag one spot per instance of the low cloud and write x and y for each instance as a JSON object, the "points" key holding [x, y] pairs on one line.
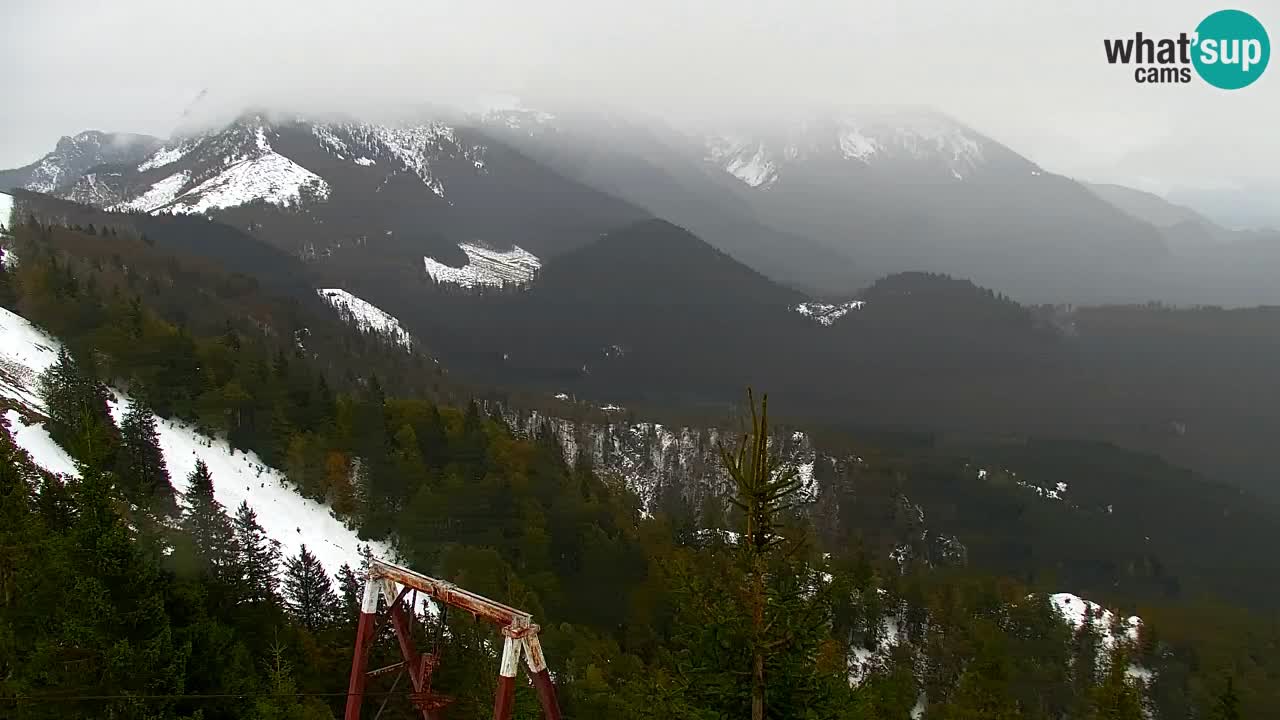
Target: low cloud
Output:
{"points": [[1030, 74]]}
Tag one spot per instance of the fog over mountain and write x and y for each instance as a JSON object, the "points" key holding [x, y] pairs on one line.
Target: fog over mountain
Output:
{"points": [[1032, 77]]}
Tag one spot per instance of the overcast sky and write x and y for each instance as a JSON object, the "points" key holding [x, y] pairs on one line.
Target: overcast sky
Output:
{"points": [[1030, 73]]}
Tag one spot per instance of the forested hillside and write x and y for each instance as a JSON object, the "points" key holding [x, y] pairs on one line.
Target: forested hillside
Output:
{"points": [[181, 609], [650, 315]]}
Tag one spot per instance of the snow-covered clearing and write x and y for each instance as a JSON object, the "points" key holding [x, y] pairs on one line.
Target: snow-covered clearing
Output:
{"points": [[486, 266], [365, 315], [827, 313]]}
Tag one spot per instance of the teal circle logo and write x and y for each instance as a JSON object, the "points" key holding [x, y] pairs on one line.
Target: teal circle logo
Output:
{"points": [[1231, 49]]}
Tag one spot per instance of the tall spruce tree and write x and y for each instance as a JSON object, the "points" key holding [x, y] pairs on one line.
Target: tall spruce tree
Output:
{"points": [[77, 405], [765, 490], [144, 478], [211, 532], [260, 555], [350, 593], [308, 593]]}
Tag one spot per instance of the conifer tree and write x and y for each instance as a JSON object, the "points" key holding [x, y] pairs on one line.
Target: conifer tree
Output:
{"points": [[432, 440], [1116, 697], [259, 555], [283, 701], [143, 474], [764, 491], [210, 530], [78, 414], [350, 592], [1227, 706], [308, 593]]}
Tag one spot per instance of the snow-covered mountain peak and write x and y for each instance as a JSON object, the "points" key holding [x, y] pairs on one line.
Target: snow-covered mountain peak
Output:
{"points": [[286, 162], [746, 158], [416, 148], [75, 155], [505, 111], [228, 168], [924, 135], [902, 138]]}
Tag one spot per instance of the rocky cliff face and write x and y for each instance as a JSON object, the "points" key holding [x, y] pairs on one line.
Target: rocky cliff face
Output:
{"points": [[678, 470]]}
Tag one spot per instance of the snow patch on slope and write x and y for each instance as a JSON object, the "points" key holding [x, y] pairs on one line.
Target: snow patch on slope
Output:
{"points": [[827, 313], [43, 450], [271, 178], [649, 458], [864, 660], [6, 212], [366, 315], [165, 156], [1077, 611], [748, 161], [25, 352], [237, 477], [158, 195], [485, 266], [856, 146]]}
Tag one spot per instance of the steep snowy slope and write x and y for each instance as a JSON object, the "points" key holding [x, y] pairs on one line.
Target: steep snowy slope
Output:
{"points": [[25, 352], [366, 315]]}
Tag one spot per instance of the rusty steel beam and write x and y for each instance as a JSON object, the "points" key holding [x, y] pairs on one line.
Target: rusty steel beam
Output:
{"points": [[451, 595], [504, 696], [520, 637], [541, 676], [364, 638], [385, 670]]}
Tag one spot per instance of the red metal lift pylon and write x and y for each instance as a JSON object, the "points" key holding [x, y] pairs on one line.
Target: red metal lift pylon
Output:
{"points": [[519, 633]]}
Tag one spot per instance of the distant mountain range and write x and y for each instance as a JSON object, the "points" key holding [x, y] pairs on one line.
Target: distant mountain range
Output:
{"points": [[824, 203], [1211, 264], [647, 314]]}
